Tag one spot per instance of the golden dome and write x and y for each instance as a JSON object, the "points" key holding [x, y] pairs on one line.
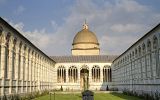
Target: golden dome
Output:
{"points": [[85, 36]]}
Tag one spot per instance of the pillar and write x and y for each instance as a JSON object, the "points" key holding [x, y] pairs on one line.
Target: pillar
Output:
{"points": [[17, 64], [3, 60], [26, 69], [10, 64], [101, 75], [21, 66], [67, 78]]}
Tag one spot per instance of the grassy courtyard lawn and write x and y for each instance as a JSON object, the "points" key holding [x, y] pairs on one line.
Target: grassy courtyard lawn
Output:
{"points": [[97, 96]]}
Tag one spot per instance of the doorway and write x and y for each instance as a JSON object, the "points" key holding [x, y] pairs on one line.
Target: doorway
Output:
{"points": [[84, 80]]}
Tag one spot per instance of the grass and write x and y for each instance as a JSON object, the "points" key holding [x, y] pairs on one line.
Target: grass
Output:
{"points": [[97, 96]]}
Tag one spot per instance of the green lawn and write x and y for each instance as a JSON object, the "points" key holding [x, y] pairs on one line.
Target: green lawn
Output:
{"points": [[97, 96]]}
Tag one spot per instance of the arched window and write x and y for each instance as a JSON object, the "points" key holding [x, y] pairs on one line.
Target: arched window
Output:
{"points": [[149, 46], [136, 53], [73, 74], [61, 74], [7, 56], [155, 43], [143, 49], [96, 74], [132, 55], [155, 58], [148, 60], [107, 75], [13, 59], [19, 60], [139, 51], [144, 74]]}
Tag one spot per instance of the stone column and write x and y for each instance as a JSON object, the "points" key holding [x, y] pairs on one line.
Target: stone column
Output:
{"points": [[101, 74], [90, 75], [26, 69], [67, 78], [30, 70], [40, 74], [3, 60], [10, 64], [16, 64], [78, 69], [33, 68], [38, 85], [22, 64]]}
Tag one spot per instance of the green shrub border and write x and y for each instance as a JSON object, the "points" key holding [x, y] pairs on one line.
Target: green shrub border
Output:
{"points": [[145, 96]]}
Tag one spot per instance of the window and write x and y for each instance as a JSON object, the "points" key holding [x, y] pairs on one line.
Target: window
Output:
{"points": [[155, 67], [96, 74], [61, 74], [148, 60], [73, 74], [107, 74], [7, 56], [13, 60]]}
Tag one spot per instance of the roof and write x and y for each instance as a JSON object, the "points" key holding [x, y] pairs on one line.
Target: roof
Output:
{"points": [[84, 59]]}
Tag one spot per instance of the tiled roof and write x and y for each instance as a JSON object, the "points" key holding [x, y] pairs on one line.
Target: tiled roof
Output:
{"points": [[79, 59]]}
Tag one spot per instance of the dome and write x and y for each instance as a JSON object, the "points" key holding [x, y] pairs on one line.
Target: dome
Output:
{"points": [[85, 43], [85, 36]]}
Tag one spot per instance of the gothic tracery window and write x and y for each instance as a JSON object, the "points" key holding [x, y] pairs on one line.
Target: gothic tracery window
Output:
{"points": [[96, 74], [73, 74], [155, 58], [107, 74], [148, 60], [143, 61], [13, 59], [7, 56], [61, 74]]}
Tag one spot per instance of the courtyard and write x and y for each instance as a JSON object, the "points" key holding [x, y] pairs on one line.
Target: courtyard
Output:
{"points": [[97, 96]]}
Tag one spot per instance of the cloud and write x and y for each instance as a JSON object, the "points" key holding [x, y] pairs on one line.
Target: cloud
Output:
{"points": [[117, 24], [112, 22], [20, 9], [37, 37]]}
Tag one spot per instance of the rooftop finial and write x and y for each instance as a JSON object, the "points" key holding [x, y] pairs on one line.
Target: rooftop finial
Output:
{"points": [[85, 26]]}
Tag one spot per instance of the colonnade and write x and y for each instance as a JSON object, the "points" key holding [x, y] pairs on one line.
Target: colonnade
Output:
{"points": [[96, 74], [138, 69], [23, 67]]}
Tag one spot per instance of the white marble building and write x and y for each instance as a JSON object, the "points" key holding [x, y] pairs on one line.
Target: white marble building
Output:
{"points": [[85, 60], [138, 68], [69, 72], [23, 67]]}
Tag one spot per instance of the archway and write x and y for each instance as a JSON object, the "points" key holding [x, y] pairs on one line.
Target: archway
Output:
{"points": [[84, 80]]}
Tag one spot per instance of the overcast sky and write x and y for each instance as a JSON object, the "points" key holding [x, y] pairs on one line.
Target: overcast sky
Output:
{"points": [[52, 24]]}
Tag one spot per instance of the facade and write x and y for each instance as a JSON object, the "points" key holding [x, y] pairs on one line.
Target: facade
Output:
{"points": [[23, 67], [70, 71], [138, 68], [86, 67]]}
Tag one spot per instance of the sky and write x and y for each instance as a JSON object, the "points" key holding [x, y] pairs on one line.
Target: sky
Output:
{"points": [[52, 24]]}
